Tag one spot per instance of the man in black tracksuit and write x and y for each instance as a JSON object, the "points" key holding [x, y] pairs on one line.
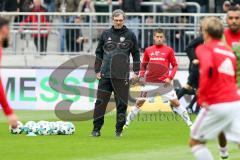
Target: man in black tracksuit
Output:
{"points": [[193, 78], [112, 69]]}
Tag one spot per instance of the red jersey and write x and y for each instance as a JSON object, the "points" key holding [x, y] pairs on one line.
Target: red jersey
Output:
{"points": [[33, 19], [217, 69], [231, 38], [156, 63], [3, 101]]}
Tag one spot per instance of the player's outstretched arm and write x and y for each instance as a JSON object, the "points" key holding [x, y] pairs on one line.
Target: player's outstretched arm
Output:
{"points": [[12, 118]]}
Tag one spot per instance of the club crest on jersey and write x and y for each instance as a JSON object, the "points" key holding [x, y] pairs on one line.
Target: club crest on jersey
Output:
{"points": [[152, 54], [157, 53], [122, 39]]}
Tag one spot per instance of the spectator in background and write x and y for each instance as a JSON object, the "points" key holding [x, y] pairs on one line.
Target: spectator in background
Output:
{"points": [[235, 2], [193, 9], [51, 5], [40, 39], [148, 33], [25, 5], [66, 6], [11, 5], [132, 6], [86, 6], [103, 8], [146, 8], [2, 5], [74, 37], [226, 6], [178, 37], [223, 5], [203, 4], [173, 6]]}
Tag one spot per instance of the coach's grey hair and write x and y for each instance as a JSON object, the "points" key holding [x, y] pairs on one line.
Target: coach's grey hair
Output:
{"points": [[118, 12]]}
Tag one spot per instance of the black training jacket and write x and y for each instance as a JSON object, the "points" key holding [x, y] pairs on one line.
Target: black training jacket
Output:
{"points": [[113, 53]]}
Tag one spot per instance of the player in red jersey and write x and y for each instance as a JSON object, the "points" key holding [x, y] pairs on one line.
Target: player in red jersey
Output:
{"points": [[218, 91], [232, 39], [4, 32], [157, 77], [232, 34]]}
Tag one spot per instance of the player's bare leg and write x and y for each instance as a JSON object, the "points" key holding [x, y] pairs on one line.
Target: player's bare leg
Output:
{"points": [[177, 107], [223, 146], [199, 150]]}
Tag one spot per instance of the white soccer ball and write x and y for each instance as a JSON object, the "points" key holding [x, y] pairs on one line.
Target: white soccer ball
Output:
{"points": [[30, 126], [52, 126], [62, 128], [18, 129], [70, 128], [56, 129], [43, 128], [35, 128]]}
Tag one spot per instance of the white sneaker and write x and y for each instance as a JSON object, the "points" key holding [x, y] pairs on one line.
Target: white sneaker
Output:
{"points": [[125, 127], [224, 155], [189, 124]]}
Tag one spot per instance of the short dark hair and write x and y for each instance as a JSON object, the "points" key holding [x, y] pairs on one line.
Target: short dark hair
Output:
{"points": [[3, 22], [159, 30], [233, 8]]}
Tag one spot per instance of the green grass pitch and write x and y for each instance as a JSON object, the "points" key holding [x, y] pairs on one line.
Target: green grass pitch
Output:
{"points": [[146, 139]]}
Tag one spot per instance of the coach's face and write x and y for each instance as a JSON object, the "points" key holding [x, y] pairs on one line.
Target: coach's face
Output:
{"points": [[4, 32], [159, 38], [233, 20], [118, 21]]}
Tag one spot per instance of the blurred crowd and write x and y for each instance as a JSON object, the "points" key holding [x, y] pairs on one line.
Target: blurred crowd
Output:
{"points": [[71, 36], [89, 5]]}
